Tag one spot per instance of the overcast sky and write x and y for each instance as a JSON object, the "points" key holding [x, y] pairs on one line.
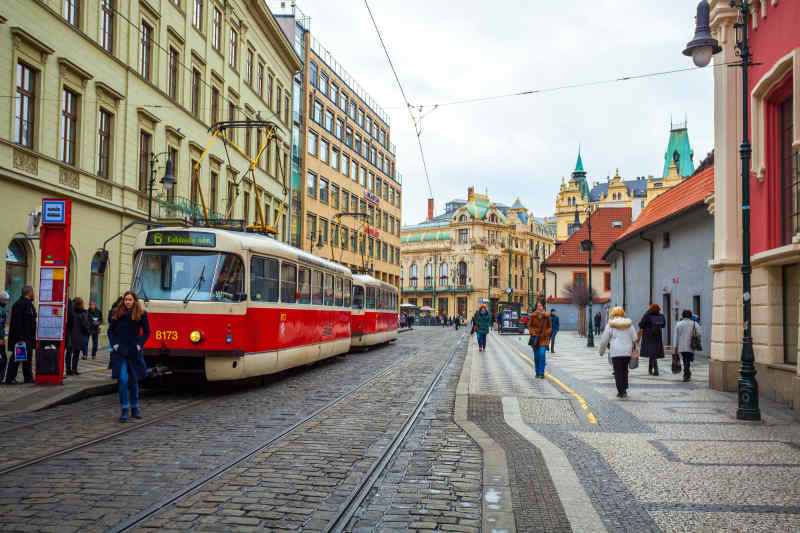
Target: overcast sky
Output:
{"points": [[522, 146]]}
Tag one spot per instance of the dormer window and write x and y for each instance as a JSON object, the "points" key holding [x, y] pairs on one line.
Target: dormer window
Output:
{"points": [[462, 218]]}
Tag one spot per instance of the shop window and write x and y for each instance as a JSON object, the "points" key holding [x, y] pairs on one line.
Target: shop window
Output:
{"points": [[97, 281]]}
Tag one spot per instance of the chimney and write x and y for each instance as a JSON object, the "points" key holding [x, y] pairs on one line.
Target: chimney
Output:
{"points": [[470, 193], [430, 208]]}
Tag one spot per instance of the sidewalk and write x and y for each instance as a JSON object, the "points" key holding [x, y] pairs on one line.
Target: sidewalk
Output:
{"points": [[94, 379]]}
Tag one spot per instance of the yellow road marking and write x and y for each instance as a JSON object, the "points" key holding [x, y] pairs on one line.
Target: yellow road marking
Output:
{"points": [[581, 401]]}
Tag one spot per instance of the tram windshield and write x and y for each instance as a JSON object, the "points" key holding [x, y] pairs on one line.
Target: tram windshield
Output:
{"points": [[189, 276]]}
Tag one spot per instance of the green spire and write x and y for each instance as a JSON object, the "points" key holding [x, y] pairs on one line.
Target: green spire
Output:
{"points": [[579, 163], [679, 151]]}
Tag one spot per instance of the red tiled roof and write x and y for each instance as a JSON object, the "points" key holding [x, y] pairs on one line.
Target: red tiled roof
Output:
{"points": [[603, 234], [691, 192]]}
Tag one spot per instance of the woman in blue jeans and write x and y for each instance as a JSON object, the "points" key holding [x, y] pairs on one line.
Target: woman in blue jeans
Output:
{"points": [[539, 325], [483, 322], [128, 331]]}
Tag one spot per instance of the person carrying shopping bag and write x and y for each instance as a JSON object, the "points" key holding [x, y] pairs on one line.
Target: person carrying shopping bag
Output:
{"points": [[128, 331], [619, 340], [688, 339], [539, 327]]}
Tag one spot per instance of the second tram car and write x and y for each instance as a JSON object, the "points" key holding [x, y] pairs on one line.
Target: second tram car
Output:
{"points": [[231, 305]]}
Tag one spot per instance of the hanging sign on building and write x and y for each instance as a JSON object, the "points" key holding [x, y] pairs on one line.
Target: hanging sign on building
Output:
{"points": [[371, 197]]}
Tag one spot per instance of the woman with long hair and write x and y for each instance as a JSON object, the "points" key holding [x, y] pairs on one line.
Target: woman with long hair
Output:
{"points": [[539, 327], [650, 327], [128, 331], [619, 339]]}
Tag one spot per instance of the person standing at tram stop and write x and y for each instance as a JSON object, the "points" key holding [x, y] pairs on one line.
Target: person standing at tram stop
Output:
{"points": [[79, 334], [483, 323], [684, 331], [650, 327], [22, 328], [3, 321], [540, 328], [598, 323], [555, 323], [619, 339], [128, 331], [95, 320]]}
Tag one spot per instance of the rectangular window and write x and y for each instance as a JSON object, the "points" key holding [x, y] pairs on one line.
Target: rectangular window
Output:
{"points": [[246, 208], [323, 190], [229, 199], [337, 292], [318, 112], [196, 92], [665, 239], [311, 184], [233, 52], [463, 236], [334, 96], [311, 224], [334, 235], [343, 101], [312, 143], [103, 143], [107, 25], [145, 142], [146, 51], [232, 116], [212, 204], [172, 155], [263, 279], [69, 123], [214, 105], [335, 158], [334, 196], [172, 82], [72, 12], [286, 109], [324, 147], [25, 105], [316, 287], [329, 120], [358, 143], [361, 117], [371, 214], [344, 238], [194, 186], [348, 136], [790, 174], [579, 281], [288, 283], [260, 80], [372, 182], [312, 74], [270, 81], [607, 281], [216, 30], [345, 167], [370, 298], [323, 83], [345, 200], [197, 15], [363, 176], [248, 68], [304, 285], [323, 229], [352, 109], [339, 128]]}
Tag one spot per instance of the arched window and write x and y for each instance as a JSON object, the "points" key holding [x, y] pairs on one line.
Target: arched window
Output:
{"points": [[16, 269], [462, 218], [96, 281], [428, 277], [462, 273], [412, 275], [444, 274], [73, 268]]}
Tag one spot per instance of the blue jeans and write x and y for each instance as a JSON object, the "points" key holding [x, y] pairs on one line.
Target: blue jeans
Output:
{"points": [[481, 340], [539, 359], [128, 388]]}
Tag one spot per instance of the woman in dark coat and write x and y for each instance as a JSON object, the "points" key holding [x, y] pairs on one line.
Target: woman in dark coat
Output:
{"points": [[128, 331], [79, 335], [650, 327]]}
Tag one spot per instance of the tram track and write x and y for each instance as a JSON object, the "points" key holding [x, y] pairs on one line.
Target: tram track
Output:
{"points": [[355, 499]]}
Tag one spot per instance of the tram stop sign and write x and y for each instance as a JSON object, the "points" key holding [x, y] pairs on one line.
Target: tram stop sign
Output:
{"points": [[53, 284]]}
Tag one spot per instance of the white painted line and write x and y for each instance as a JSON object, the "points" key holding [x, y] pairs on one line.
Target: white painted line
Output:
{"points": [[580, 512]]}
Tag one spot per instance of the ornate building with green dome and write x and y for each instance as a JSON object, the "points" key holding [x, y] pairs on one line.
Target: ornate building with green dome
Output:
{"points": [[476, 251]]}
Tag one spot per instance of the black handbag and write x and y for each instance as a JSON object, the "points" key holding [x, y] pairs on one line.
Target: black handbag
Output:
{"points": [[696, 342], [533, 341], [676, 363]]}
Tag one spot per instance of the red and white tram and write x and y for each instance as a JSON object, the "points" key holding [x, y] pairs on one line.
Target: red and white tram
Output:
{"points": [[231, 305], [373, 318]]}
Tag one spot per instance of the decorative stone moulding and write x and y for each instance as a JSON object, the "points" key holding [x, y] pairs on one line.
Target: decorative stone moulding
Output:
{"points": [[26, 162], [141, 203], [69, 178], [104, 189]]}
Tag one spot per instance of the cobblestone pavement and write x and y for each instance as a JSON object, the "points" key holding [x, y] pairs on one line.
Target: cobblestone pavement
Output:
{"points": [[298, 483], [670, 457]]}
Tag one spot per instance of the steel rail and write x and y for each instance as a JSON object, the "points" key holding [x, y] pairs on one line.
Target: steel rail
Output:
{"points": [[358, 495], [137, 519]]}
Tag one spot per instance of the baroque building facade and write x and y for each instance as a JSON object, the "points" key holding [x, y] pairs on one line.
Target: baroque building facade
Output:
{"points": [[576, 195], [476, 252], [101, 89]]}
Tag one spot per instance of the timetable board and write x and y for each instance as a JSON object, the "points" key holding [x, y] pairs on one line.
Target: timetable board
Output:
{"points": [[52, 300]]}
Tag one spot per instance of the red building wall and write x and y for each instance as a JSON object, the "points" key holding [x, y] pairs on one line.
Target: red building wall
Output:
{"points": [[777, 34]]}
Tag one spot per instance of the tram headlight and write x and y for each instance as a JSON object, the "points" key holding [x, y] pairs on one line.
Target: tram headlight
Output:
{"points": [[195, 336]]}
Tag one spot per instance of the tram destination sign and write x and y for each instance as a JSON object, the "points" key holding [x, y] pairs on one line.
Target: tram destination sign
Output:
{"points": [[181, 238]]}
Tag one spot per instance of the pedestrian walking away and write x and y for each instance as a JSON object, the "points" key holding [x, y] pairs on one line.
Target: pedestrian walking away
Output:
{"points": [[540, 328], [3, 322], [483, 323], [598, 323], [95, 320], [22, 330], [650, 327], [79, 334], [685, 331], [619, 340], [128, 331], [555, 323]]}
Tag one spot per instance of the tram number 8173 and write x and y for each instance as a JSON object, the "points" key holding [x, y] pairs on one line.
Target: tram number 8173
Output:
{"points": [[166, 335]]}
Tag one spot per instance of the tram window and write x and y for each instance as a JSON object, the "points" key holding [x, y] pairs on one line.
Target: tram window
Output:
{"points": [[304, 285], [370, 297], [288, 283], [316, 287], [358, 297], [379, 299], [347, 289], [328, 289], [229, 286], [175, 275], [263, 279], [337, 291]]}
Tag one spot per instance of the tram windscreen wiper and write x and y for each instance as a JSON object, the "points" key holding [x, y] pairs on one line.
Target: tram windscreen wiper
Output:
{"points": [[196, 285], [141, 290]]}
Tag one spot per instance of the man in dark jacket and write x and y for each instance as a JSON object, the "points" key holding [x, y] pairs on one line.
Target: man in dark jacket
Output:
{"points": [[598, 321], [555, 324], [3, 323], [95, 320], [22, 329]]}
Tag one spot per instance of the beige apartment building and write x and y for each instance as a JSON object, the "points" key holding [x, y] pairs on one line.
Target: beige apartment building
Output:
{"points": [[347, 163], [104, 92], [476, 252]]}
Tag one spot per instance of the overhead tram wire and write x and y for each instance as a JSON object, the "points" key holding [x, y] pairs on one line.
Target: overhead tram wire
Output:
{"points": [[417, 128]]}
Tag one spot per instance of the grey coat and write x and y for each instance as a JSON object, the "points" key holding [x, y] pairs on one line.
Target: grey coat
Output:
{"points": [[683, 335]]}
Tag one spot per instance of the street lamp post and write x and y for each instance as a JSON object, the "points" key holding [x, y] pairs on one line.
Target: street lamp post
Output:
{"points": [[701, 48], [168, 181], [534, 266]]}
